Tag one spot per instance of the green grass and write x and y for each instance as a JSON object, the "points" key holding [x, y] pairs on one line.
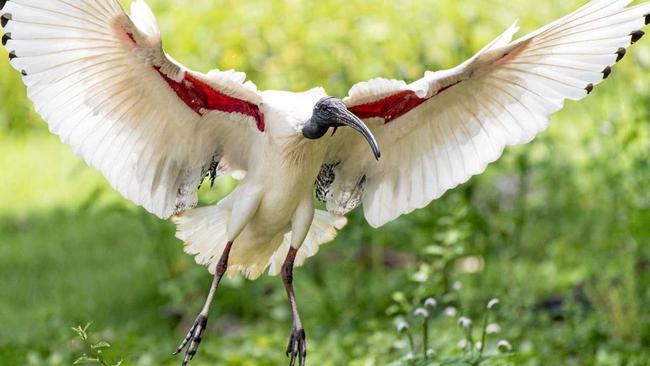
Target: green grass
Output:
{"points": [[562, 220]]}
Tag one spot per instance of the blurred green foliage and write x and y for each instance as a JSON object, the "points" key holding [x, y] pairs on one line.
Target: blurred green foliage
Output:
{"points": [[558, 229]]}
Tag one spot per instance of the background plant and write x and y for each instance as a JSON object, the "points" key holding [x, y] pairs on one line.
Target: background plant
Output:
{"points": [[475, 346], [93, 353]]}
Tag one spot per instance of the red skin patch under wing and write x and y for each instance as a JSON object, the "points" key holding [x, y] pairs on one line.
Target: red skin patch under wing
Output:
{"points": [[397, 105], [389, 108], [199, 96], [393, 106]]}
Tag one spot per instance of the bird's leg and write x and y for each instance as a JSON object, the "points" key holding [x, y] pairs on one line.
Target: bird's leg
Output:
{"points": [[297, 348], [193, 337]]}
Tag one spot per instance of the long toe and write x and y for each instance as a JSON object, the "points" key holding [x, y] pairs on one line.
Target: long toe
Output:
{"points": [[186, 340], [291, 350], [302, 348]]}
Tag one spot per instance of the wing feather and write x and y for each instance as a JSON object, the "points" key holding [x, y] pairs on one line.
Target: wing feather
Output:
{"points": [[455, 122], [103, 83]]}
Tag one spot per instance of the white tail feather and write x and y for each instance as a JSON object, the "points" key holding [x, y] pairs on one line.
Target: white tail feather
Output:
{"points": [[204, 232]]}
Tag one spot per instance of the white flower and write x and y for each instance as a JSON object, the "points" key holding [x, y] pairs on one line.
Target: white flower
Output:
{"points": [[493, 328], [492, 303], [478, 345], [420, 276], [401, 325], [409, 356], [421, 312], [463, 344], [457, 286], [465, 322], [504, 346], [430, 303], [450, 311], [431, 353]]}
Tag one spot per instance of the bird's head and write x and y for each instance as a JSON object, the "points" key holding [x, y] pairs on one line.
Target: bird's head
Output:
{"points": [[331, 112]]}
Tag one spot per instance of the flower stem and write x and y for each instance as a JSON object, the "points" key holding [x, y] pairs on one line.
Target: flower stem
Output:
{"points": [[411, 342], [425, 337], [483, 336]]}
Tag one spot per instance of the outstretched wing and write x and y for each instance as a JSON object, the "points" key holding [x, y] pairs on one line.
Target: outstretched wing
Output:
{"points": [[448, 126], [103, 83]]}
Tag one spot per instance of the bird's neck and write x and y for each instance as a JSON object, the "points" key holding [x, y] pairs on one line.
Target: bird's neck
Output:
{"points": [[300, 152]]}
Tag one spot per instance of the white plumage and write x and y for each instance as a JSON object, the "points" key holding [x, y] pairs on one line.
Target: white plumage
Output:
{"points": [[155, 129], [499, 101]]}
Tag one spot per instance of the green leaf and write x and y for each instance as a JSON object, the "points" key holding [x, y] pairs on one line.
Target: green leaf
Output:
{"points": [[85, 359], [100, 345], [435, 250], [81, 332]]}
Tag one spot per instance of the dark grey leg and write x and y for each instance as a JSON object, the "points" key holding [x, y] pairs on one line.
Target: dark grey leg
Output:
{"points": [[194, 335], [297, 348]]}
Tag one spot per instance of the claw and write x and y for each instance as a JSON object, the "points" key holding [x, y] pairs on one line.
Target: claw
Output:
{"points": [[193, 338]]}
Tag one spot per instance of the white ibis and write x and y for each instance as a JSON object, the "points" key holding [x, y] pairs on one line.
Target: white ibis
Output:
{"points": [[156, 130]]}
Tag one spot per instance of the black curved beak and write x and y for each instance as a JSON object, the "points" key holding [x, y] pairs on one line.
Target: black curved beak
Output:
{"points": [[347, 118]]}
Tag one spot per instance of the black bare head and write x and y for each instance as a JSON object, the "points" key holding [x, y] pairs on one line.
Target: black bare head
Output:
{"points": [[331, 112]]}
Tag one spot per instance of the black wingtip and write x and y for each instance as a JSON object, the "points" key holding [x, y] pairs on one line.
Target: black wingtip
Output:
{"points": [[12, 55], [4, 19], [6, 37], [2, 4], [647, 19], [621, 53], [607, 72], [636, 36], [589, 88], [23, 73]]}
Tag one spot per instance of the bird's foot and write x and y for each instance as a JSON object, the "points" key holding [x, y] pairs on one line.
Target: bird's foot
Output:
{"points": [[193, 339], [297, 348]]}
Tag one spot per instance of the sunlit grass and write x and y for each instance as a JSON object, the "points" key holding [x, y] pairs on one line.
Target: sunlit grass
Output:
{"points": [[40, 173]]}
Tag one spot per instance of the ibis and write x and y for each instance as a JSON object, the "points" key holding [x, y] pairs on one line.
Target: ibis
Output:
{"points": [[156, 130]]}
